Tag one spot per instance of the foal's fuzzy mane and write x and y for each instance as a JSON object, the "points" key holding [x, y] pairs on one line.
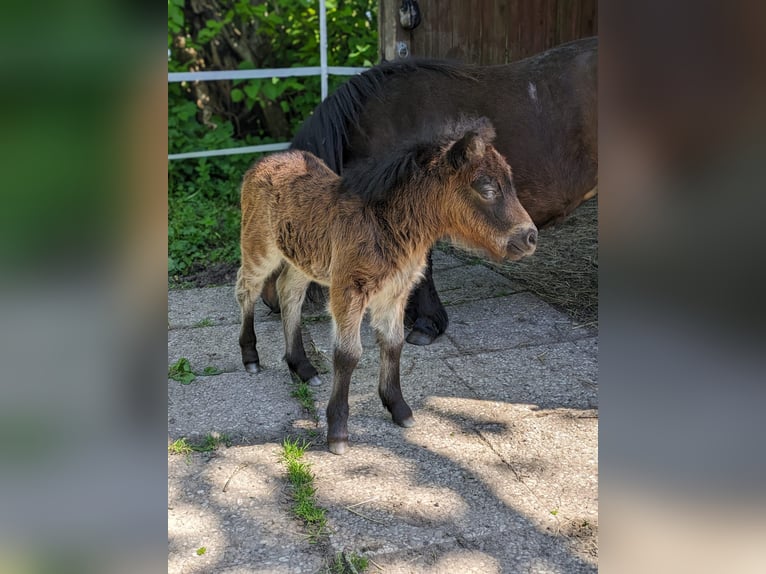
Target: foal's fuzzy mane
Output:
{"points": [[326, 132], [374, 179]]}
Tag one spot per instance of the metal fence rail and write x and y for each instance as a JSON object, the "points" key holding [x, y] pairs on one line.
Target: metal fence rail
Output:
{"points": [[323, 70]]}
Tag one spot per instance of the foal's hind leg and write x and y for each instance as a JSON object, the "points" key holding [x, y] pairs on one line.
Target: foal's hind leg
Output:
{"points": [[249, 284], [347, 306], [425, 310], [291, 287], [387, 318]]}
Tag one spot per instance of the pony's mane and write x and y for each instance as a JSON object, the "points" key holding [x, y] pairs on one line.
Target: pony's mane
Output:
{"points": [[326, 132], [374, 179]]}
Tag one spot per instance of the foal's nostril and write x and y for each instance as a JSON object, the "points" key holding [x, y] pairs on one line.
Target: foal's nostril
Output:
{"points": [[532, 237]]}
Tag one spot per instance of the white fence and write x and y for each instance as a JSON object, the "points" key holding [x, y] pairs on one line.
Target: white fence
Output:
{"points": [[322, 70]]}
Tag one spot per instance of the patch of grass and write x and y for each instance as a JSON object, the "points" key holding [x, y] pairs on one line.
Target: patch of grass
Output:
{"points": [[180, 446], [201, 550], [181, 371], [347, 563], [303, 491], [206, 322], [305, 397], [211, 442]]}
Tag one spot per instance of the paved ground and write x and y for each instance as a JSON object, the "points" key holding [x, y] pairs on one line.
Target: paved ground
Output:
{"points": [[499, 474]]}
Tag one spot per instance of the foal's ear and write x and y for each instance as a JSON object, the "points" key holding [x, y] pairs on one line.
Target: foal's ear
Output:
{"points": [[467, 149]]}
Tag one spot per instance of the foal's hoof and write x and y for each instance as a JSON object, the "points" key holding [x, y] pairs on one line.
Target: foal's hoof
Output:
{"points": [[420, 338], [252, 367], [337, 446], [406, 422], [314, 381]]}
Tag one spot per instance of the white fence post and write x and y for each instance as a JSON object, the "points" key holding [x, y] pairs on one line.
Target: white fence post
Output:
{"points": [[323, 45]]}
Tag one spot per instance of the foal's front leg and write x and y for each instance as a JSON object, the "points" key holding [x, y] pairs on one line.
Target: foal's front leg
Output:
{"points": [[347, 310], [387, 318]]}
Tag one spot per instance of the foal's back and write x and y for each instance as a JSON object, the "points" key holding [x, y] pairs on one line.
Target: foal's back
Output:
{"points": [[292, 197]]}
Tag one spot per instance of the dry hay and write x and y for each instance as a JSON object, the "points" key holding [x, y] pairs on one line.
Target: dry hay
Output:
{"points": [[564, 269]]}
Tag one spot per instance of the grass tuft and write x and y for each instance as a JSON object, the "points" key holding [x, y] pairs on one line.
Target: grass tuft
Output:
{"points": [[303, 491], [211, 442], [347, 563], [305, 397], [180, 446]]}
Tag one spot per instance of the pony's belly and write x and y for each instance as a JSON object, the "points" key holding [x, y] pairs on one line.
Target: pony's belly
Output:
{"points": [[314, 270]]}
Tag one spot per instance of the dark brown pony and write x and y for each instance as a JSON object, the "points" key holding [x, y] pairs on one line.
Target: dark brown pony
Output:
{"points": [[366, 236], [543, 108]]}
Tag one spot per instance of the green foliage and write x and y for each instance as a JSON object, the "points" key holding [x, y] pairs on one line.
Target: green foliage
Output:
{"points": [[181, 371], [203, 194]]}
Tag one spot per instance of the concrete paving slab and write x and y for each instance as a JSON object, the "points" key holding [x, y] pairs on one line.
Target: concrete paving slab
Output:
{"points": [[442, 260], [466, 283], [218, 346], [453, 491], [248, 408], [547, 376], [508, 322], [213, 305], [232, 503]]}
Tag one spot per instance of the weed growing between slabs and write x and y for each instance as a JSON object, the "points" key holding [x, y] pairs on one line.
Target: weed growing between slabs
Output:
{"points": [[211, 442], [303, 491]]}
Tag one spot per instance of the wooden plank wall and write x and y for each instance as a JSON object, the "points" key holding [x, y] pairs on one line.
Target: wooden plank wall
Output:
{"points": [[486, 31]]}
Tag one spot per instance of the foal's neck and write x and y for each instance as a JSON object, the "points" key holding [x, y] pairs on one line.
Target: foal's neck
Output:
{"points": [[413, 217]]}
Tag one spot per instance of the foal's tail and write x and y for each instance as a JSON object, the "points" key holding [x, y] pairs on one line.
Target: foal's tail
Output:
{"points": [[326, 133]]}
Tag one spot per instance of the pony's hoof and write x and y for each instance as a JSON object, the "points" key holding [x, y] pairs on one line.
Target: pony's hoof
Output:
{"points": [[420, 338], [338, 446], [252, 368], [406, 423], [314, 381]]}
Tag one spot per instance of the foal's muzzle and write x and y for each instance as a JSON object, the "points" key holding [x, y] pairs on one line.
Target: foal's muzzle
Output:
{"points": [[522, 242]]}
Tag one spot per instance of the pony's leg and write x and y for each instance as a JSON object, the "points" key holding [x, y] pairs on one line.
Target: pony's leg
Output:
{"points": [[291, 287], [249, 284], [347, 309], [387, 320], [425, 310], [269, 294]]}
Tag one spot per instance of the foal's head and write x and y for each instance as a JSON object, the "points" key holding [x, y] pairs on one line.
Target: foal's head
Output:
{"points": [[483, 206]]}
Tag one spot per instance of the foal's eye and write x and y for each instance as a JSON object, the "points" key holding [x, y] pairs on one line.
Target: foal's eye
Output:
{"points": [[485, 187]]}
